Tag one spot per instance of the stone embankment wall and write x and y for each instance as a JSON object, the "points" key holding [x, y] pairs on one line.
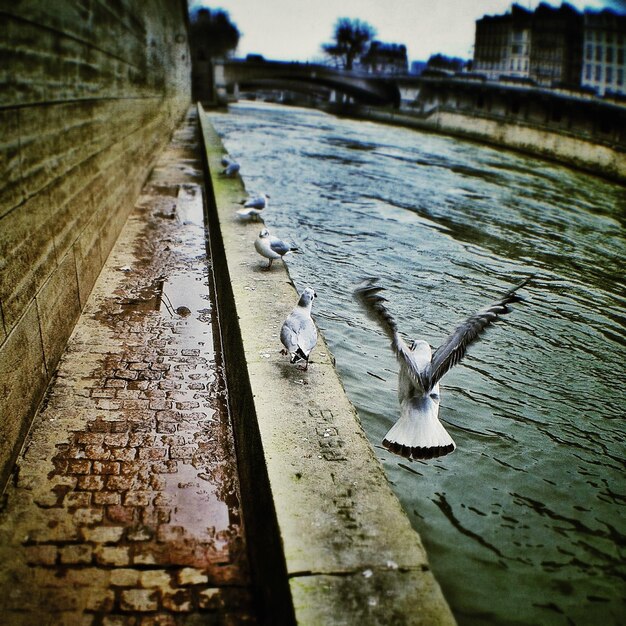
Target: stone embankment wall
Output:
{"points": [[602, 159], [91, 92], [597, 158]]}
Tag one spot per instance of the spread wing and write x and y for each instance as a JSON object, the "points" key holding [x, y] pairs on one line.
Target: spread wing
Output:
{"points": [[453, 349], [368, 295]]}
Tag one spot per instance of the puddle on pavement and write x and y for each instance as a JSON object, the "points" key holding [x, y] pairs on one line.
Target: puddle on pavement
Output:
{"points": [[198, 507], [163, 296], [190, 205]]}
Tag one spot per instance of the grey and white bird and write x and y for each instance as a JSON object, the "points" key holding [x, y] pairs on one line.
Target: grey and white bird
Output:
{"points": [[271, 247], [418, 433], [253, 207], [259, 202], [231, 167], [298, 333]]}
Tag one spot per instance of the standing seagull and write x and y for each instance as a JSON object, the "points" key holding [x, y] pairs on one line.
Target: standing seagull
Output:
{"points": [[272, 247], [299, 334], [257, 202], [419, 434], [253, 207]]}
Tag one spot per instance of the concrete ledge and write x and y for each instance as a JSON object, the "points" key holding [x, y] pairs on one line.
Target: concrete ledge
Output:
{"points": [[310, 480]]}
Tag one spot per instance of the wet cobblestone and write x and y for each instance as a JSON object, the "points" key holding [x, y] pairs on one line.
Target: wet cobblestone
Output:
{"points": [[124, 508]]}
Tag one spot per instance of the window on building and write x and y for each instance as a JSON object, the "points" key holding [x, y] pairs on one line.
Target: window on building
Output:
{"points": [[620, 77], [620, 56], [609, 54], [589, 53], [609, 74], [588, 72], [598, 53], [598, 73]]}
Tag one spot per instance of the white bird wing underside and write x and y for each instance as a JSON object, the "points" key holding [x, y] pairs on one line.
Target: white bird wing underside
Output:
{"points": [[374, 305], [451, 351]]}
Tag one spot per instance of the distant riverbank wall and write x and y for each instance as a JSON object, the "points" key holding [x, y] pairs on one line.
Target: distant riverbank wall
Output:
{"points": [[94, 92], [577, 130]]}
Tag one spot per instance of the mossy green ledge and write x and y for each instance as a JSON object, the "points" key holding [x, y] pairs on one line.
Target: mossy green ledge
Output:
{"points": [[312, 487]]}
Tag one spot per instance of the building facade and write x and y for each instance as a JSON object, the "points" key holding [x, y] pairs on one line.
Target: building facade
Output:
{"points": [[554, 47], [385, 58], [502, 44], [604, 46]]}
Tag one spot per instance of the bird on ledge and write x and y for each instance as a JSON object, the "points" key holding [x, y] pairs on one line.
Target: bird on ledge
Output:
{"points": [[271, 247], [298, 333]]}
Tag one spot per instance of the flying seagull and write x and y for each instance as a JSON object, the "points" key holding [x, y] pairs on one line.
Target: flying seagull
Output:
{"points": [[298, 333], [272, 247], [418, 433], [231, 167], [253, 207]]}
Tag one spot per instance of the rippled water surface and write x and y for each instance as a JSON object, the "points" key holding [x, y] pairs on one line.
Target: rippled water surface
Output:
{"points": [[524, 522]]}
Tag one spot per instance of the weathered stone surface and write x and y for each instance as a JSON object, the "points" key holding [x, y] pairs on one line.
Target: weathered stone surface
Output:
{"points": [[23, 379], [27, 256], [91, 92], [11, 192], [386, 596], [58, 306]]}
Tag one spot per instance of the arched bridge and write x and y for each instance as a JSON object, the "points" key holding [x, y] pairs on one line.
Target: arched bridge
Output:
{"points": [[363, 88]]}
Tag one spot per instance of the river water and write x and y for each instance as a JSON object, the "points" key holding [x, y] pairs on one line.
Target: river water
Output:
{"points": [[524, 522]]}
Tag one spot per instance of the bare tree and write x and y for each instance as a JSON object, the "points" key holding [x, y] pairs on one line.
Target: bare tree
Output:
{"points": [[212, 34], [351, 39]]}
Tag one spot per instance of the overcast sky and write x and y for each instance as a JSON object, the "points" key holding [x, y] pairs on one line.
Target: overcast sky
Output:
{"points": [[295, 29]]}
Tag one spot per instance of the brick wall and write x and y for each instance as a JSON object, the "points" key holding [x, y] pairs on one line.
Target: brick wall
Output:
{"points": [[90, 90]]}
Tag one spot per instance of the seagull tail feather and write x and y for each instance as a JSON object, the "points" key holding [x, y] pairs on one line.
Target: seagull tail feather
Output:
{"points": [[419, 435], [299, 355]]}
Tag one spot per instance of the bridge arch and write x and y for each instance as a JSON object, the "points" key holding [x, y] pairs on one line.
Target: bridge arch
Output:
{"points": [[362, 88]]}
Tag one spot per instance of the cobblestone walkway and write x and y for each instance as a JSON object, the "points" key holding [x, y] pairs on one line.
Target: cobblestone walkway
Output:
{"points": [[124, 508]]}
